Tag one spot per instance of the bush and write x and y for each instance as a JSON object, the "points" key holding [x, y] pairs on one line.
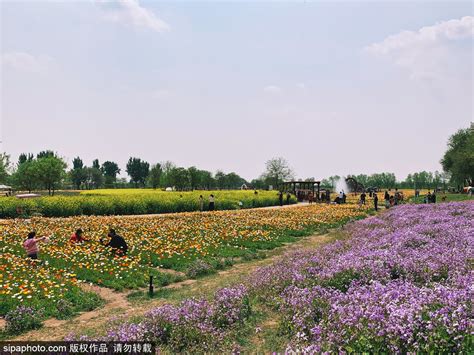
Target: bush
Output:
{"points": [[22, 319], [199, 268]]}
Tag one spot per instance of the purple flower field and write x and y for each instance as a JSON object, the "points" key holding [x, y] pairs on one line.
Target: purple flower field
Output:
{"points": [[402, 282], [398, 282]]}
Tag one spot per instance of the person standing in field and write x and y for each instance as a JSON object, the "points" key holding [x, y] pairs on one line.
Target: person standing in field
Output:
{"points": [[433, 197], [376, 201], [428, 198], [31, 245], [280, 198], [288, 198], [211, 203], [362, 198], [201, 203]]}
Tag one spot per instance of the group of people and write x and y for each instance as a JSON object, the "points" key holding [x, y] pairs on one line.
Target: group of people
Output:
{"points": [[115, 242], [390, 200], [341, 197], [280, 198], [430, 197], [212, 203]]}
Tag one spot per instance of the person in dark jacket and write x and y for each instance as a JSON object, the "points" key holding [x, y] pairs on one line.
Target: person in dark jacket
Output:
{"points": [[376, 201], [116, 242]]}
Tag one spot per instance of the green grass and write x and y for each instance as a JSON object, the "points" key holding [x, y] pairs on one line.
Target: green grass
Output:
{"points": [[449, 198]]}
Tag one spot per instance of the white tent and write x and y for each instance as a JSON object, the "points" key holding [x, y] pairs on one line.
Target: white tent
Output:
{"points": [[5, 187], [27, 195]]}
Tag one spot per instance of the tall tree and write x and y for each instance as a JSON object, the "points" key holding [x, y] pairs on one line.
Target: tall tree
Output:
{"points": [[4, 167], [24, 158], [138, 171], [234, 181], [194, 177], [94, 178], [179, 178], [110, 170], [155, 175], [166, 168], [459, 157], [45, 154], [51, 170], [277, 171], [96, 164], [26, 177], [220, 178], [77, 174]]}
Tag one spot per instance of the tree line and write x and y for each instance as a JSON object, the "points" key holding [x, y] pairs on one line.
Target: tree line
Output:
{"points": [[47, 170]]}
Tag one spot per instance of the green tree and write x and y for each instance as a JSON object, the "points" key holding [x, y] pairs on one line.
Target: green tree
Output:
{"points": [[207, 180], [94, 178], [258, 184], [4, 167], [50, 170], [24, 158], [138, 171], [155, 175], [277, 171], [334, 180], [458, 160], [220, 178], [234, 181], [26, 176], [166, 168], [45, 154], [194, 177], [96, 164], [110, 170], [179, 178], [77, 173]]}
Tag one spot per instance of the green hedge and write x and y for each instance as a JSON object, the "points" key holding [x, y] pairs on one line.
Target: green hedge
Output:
{"points": [[123, 203]]}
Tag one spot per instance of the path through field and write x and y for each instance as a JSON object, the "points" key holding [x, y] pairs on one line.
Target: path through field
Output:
{"points": [[119, 306]]}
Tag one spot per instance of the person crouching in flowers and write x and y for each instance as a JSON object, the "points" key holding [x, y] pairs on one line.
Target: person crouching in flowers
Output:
{"points": [[117, 243], [31, 245], [78, 237]]}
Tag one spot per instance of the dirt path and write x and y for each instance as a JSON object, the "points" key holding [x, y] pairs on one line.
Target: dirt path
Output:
{"points": [[118, 306]]}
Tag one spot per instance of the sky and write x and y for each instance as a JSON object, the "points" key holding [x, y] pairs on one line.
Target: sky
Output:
{"points": [[333, 87]]}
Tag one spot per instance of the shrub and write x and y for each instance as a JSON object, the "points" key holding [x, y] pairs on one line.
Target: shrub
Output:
{"points": [[22, 319], [199, 268]]}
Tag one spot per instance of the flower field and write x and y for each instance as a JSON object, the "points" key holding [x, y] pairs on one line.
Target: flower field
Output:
{"points": [[399, 282], [172, 241], [133, 202], [52, 291]]}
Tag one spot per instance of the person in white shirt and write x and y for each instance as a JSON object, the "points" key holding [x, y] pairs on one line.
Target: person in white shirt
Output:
{"points": [[211, 203]]}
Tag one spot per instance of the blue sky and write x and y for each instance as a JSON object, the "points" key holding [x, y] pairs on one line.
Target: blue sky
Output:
{"points": [[334, 87]]}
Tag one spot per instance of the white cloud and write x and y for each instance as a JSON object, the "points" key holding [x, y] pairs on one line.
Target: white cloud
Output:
{"points": [[272, 89], [130, 13], [26, 62], [428, 52]]}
